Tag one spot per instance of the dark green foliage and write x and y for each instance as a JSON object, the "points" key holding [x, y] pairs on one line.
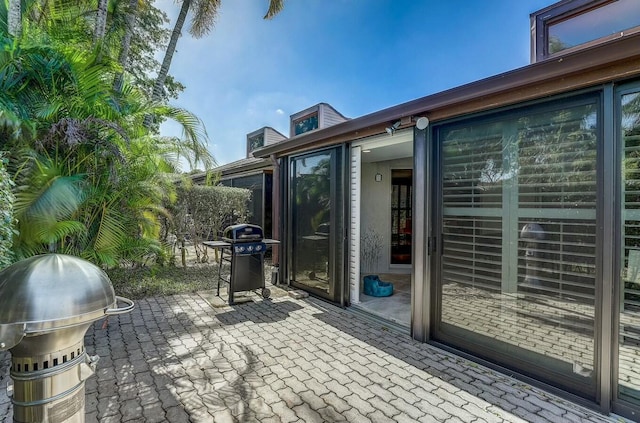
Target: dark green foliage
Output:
{"points": [[89, 179]]}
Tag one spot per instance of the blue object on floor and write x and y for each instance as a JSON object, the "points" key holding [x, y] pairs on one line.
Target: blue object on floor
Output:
{"points": [[376, 288]]}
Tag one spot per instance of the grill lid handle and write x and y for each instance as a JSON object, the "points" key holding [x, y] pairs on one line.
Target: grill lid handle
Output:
{"points": [[11, 335], [120, 310]]}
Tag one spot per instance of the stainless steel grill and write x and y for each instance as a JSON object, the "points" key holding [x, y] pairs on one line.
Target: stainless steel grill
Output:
{"points": [[244, 246], [247, 259], [47, 303], [242, 233]]}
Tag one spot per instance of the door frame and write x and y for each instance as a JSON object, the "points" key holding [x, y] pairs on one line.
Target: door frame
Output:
{"points": [[337, 226], [618, 405]]}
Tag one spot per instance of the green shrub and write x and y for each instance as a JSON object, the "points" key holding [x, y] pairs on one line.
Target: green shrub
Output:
{"points": [[202, 212], [6, 214]]}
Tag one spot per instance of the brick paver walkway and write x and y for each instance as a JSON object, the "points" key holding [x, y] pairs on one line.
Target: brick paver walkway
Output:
{"points": [[177, 359]]}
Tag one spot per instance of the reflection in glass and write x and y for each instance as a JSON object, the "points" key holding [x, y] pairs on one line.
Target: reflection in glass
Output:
{"points": [[306, 124], [256, 142], [611, 18], [311, 217], [629, 340], [255, 184], [519, 240]]}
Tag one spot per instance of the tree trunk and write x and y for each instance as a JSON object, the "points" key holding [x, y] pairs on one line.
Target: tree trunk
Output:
{"points": [[168, 56], [123, 57], [14, 18], [101, 21]]}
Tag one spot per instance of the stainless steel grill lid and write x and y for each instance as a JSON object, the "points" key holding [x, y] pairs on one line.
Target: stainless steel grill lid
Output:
{"points": [[49, 292]]}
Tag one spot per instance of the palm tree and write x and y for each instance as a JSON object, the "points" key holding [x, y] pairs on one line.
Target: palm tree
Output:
{"points": [[203, 18], [123, 56], [89, 181], [101, 21], [14, 18]]}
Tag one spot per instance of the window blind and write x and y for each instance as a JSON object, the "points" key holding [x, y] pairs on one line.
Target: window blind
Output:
{"points": [[497, 178]]}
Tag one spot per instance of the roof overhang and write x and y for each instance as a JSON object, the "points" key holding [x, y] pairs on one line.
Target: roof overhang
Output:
{"points": [[242, 167], [614, 60]]}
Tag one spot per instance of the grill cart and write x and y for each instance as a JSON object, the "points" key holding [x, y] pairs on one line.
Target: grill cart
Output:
{"points": [[243, 247]]}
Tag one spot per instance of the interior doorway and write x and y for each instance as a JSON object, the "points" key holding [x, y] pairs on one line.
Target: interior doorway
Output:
{"points": [[401, 190], [381, 227]]}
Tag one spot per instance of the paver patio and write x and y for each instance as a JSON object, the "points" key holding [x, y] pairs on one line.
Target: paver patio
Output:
{"points": [[178, 359]]}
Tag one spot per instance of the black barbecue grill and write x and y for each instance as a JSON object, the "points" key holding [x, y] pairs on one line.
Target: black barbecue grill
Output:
{"points": [[244, 246]]}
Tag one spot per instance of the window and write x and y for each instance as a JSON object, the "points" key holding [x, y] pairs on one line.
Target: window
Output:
{"points": [[581, 22], [305, 124], [629, 320], [256, 142], [255, 184]]}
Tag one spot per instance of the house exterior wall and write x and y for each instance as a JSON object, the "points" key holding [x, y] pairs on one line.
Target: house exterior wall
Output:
{"points": [[271, 136], [580, 354], [516, 305], [329, 116]]}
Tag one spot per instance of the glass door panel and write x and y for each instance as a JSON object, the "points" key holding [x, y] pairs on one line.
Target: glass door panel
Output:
{"points": [[517, 271], [316, 220], [629, 326]]}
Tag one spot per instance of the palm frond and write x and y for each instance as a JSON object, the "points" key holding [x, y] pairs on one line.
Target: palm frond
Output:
{"points": [[57, 231], [193, 145], [51, 197], [275, 6], [204, 17], [111, 230]]}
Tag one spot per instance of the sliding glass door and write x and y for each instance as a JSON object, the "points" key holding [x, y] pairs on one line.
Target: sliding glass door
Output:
{"points": [[628, 343], [517, 272], [316, 223]]}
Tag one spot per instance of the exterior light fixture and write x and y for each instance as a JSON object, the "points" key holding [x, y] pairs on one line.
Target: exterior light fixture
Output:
{"points": [[378, 177], [366, 151], [422, 122], [393, 128]]}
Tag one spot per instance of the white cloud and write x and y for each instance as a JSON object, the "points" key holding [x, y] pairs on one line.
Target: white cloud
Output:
{"points": [[280, 112]]}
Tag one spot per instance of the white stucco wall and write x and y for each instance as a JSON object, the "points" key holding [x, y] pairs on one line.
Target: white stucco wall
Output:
{"points": [[375, 211]]}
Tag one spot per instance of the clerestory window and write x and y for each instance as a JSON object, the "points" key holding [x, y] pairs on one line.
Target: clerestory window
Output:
{"points": [[569, 25], [306, 124]]}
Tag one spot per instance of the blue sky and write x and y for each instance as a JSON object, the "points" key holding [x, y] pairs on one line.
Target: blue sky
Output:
{"points": [[360, 56]]}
